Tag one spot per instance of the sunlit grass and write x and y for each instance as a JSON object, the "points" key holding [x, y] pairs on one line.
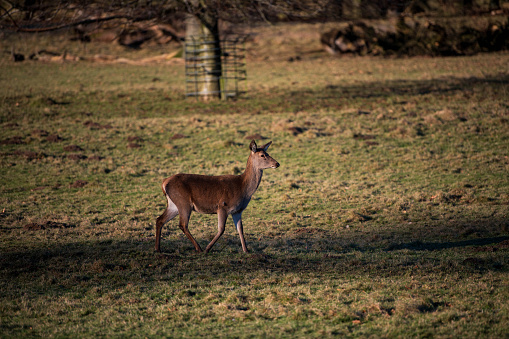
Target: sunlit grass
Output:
{"points": [[388, 215]]}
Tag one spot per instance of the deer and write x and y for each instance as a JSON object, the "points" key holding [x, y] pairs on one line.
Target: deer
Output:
{"points": [[223, 195]]}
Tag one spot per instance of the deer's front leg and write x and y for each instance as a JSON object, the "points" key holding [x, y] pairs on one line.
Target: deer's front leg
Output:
{"points": [[221, 221], [237, 220]]}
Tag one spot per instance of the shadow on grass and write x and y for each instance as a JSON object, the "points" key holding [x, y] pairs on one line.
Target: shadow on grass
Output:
{"points": [[411, 87], [114, 263], [437, 246], [337, 96], [328, 96]]}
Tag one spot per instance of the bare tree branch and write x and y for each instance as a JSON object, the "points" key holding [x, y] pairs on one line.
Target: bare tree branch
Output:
{"points": [[77, 23], [44, 16]]}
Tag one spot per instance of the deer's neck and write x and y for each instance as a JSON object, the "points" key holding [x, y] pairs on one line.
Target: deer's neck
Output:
{"points": [[251, 178]]}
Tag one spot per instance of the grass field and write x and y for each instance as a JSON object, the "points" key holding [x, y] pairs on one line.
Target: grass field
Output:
{"points": [[389, 215]]}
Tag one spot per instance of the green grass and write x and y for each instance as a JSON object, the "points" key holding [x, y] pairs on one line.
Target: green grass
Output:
{"points": [[388, 216]]}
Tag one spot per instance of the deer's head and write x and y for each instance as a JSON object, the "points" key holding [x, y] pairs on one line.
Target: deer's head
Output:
{"points": [[261, 159]]}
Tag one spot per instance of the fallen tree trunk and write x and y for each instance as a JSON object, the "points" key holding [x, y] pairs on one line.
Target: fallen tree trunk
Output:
{"points": [[410, 37]]}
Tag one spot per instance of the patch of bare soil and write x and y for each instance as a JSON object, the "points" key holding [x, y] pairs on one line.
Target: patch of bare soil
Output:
{"points": [[297, 130], [29, 155], [308, 230], [363, 137], [133, 145], [78, 184], [256, 136], [40, 133], [134, 138], [95, 125], [17, 140], [54, 138], [76, 157], [134, 141], [178, 136], [73, 148]]}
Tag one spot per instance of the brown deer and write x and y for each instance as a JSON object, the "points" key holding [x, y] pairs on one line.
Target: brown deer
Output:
{"points": [[224, 195]]}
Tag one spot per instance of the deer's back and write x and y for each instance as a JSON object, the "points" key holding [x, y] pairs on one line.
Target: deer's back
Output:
{"points": [[205, 193]]}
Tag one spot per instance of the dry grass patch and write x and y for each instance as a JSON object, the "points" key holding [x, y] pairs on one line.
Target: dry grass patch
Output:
{"points": [[387, 217]]}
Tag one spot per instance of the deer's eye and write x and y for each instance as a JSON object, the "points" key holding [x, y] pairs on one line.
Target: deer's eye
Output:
{"points": [[263, 155]]}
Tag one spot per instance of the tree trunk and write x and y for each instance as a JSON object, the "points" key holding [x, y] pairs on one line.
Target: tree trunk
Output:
{"points": [[207, 48]]}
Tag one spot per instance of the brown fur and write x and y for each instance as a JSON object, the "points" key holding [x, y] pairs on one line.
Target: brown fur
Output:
{"points": [[222, 195]]}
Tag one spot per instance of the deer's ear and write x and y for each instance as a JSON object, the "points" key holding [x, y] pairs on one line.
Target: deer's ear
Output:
{"points": [[253, 147], [266, 146]]}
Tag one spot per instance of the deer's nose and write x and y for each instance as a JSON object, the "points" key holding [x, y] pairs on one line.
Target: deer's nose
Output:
{"points": [[277, 165]]}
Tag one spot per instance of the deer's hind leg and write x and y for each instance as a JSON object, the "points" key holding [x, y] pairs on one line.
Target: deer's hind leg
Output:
{"points": [[169, 213], [185, 214]]}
